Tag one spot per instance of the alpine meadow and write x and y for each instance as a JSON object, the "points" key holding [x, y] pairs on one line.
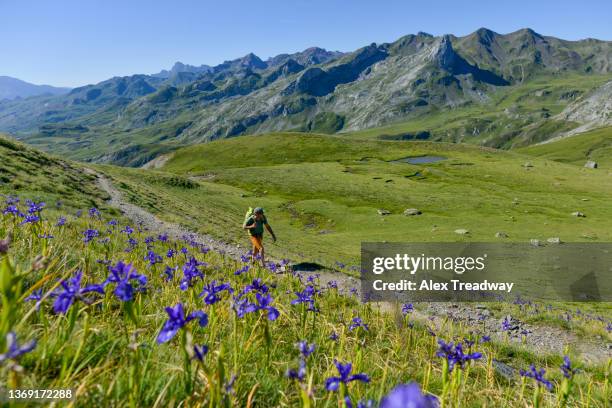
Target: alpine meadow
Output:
{"points": [[126, 277]]}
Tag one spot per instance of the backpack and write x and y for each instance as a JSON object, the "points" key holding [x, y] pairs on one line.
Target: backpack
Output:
{"points": [[248, 215]]}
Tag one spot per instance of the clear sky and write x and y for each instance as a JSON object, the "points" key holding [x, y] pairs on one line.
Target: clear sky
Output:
{"points": [[75, 42]]}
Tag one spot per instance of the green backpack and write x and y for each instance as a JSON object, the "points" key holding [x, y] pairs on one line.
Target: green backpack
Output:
{"points": [[248, 215]]}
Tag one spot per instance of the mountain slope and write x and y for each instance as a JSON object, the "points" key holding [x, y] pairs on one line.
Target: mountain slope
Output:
{"points": [[11, 88], [595, 145], [42, 177], [415, 77]]}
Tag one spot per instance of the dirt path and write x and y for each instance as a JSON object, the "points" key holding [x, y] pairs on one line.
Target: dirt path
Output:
{"points": [[540, 339], [151, 222]]}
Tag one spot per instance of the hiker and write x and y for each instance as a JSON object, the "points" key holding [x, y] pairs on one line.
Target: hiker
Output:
{"points": [[254, 223]]}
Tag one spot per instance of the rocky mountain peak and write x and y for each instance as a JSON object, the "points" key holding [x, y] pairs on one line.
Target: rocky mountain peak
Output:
{"points": [[252, 61], [445, 55]]}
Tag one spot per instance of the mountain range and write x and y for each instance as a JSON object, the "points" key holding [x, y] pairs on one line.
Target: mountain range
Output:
{"points": [[11, 88], [415, 77]]}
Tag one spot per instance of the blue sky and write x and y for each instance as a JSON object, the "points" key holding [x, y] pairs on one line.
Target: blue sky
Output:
{"points": [[71, 43]]}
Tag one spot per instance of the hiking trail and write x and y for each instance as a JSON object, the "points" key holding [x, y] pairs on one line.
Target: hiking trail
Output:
{"points": [[540, 339]]}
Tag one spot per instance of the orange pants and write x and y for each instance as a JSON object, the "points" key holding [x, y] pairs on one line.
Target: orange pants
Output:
{"points": [[257, 241]]}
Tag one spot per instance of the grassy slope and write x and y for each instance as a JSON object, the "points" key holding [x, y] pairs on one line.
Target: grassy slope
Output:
{"points": [[109, 359], [517, 110], [41, 177], [594, 145], [322, 197]]}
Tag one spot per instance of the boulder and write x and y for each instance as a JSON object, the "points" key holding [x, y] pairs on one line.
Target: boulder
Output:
{"points": [[554, 240], [462, 231], [383, 211], [578, 214], [412, 211], [590, 164], [501, 235], [535, 242], [527, 164]]}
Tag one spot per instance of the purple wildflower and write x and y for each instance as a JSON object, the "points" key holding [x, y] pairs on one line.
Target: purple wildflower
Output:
{"points": [[12, 209], [408, 395], [190, 274], [177, 320], [256, 285], [211, 291], [242, 270], [506, 325], [89, 235], [305, 348], [199, 352], [37, 296], [537, 375], [454, 354], [34, 208], [153, 258], [14, 350], [264, 303], [344, 370], [30, 219], [70, 291], [61, 221], [122, 274], [356, 323], [566, 367], [169, 273], [299, 373], [306, 296], [242, 306], [407, 308]]}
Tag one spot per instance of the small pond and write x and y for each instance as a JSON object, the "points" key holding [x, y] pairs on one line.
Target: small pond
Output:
{"points": [[420, 159]]}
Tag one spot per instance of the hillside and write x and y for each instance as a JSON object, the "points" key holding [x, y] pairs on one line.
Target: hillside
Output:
{"points": [[37, 176], [407, 81], [323, 193], [595, 145], [116, 315]]}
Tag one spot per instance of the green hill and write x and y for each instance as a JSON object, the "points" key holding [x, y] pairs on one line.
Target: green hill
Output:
{"points": [[595, 145], [322, 193], [38, 176]]}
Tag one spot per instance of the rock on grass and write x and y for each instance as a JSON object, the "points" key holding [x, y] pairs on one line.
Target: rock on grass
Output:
{"points": [[412, 211]]}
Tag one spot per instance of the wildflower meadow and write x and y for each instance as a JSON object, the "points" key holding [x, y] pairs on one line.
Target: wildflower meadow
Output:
{"points": [[124, 316]]}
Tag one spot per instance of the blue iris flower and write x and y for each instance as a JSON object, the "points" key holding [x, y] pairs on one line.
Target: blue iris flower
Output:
{"points": [[177, 320], [122, 275], [14, 350], [70, 291], [408, 395], [345, 377]]}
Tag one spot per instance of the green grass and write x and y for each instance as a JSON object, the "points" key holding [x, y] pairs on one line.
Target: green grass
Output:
{"points": [[322, 193], [109, 356], [593, 145], [41, 177]]}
